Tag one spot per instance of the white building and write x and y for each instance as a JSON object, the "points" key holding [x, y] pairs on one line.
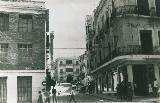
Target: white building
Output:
{"points": [[66, 66]]}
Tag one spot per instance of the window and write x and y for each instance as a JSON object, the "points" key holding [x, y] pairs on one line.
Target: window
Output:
{"points": [[47, 41], [61, 70], [4, 22], [68, 61], [159, 37], [24, 89], [25, 23], [3, 52], [77, 70], [69, 69], [157, 2], [25, 50], [3, 89], [143, 7], [61, 63], [77, 62]]}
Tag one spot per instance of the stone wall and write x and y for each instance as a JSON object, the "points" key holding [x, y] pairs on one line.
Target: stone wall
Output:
{"points": [[36, 38]]}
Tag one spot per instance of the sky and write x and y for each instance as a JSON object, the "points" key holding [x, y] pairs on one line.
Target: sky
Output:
{"points": [[67, 20]]}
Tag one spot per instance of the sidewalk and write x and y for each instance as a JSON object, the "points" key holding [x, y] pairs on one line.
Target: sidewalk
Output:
{"points": [[113, 98]]}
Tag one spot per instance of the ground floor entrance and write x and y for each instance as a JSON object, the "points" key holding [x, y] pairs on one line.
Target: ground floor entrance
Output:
{"points": [[139, 75], [143, 75], [20, 86]]}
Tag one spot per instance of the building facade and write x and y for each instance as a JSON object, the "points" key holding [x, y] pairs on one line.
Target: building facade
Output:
{"points": [[83, 69], [125, 45], [66, 66], [23, 24]]}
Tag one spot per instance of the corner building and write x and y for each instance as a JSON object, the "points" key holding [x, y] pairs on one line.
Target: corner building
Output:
{"points": [[126, 45], [23, 25]]}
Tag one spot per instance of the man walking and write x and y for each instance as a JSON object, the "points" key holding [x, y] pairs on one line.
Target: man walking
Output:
{"points": [[72, 96]]}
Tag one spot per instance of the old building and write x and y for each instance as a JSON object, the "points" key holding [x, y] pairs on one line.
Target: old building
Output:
{"points": [[23, 24], [83, 69], [66, 66], [125, 45]]}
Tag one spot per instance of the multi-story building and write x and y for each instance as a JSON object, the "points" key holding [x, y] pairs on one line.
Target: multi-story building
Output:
{"points": [[89, 36], [23, 24], [126, 45], [66, 66], [83, 69]]}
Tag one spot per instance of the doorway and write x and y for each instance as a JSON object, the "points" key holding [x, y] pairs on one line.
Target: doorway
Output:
{"points": [[140, 80], [146, 41]]}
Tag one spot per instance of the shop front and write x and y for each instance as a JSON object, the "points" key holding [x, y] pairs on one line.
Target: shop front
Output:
{"points": [[139, 72]]}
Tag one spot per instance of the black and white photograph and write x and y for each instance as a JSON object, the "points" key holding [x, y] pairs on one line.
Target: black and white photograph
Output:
{"points": [[79, 51]]}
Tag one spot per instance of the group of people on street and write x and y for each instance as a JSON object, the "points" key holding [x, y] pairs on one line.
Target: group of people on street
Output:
{"points": [[125, 91], [45, 96]]}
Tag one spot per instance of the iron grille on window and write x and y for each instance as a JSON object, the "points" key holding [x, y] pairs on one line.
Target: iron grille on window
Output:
{"points": [[3, 52], [77, 70], [25, 50], [25, 23], [68, 61], [61, 71], [24, 89], [4, 22], [3, 89], [69, 69]]}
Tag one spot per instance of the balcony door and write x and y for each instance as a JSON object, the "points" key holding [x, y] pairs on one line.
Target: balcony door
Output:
{"points": [[140, 80], [157, 2], [146, 41], [143, 7]]}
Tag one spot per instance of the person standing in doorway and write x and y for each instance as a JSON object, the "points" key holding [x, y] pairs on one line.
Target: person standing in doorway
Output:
{"points": [[54, 95], [72, 96]]}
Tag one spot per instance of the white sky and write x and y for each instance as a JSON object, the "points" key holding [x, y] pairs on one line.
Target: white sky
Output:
{"points": [[67, 20]]}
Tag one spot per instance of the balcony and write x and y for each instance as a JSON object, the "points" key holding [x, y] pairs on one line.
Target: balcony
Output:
{"points": [[128, 50], [127, 9]]}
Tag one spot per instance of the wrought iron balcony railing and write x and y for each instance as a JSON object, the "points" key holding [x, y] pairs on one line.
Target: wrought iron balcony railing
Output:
{"points": [[127, 9]]}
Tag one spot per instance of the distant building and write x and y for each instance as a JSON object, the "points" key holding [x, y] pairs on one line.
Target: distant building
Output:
{"points": [[125, 45], [83, 69], [23, 24], [67, 66]]}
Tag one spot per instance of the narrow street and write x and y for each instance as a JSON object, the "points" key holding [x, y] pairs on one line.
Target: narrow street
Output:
{"points": [[85, 98]]}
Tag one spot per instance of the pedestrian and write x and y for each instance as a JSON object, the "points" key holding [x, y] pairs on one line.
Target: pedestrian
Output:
{"points": [[155, 87], [47, 97], [150, 89], [54, 95], [129, 91], [72, 94], [40, 99], [44, 95]]}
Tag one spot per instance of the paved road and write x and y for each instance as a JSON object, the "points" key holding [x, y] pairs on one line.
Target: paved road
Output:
{"points": [[80, 98]]}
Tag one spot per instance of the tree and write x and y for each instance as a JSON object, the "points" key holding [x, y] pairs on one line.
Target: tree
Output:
{"points": [[69, 78]]}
